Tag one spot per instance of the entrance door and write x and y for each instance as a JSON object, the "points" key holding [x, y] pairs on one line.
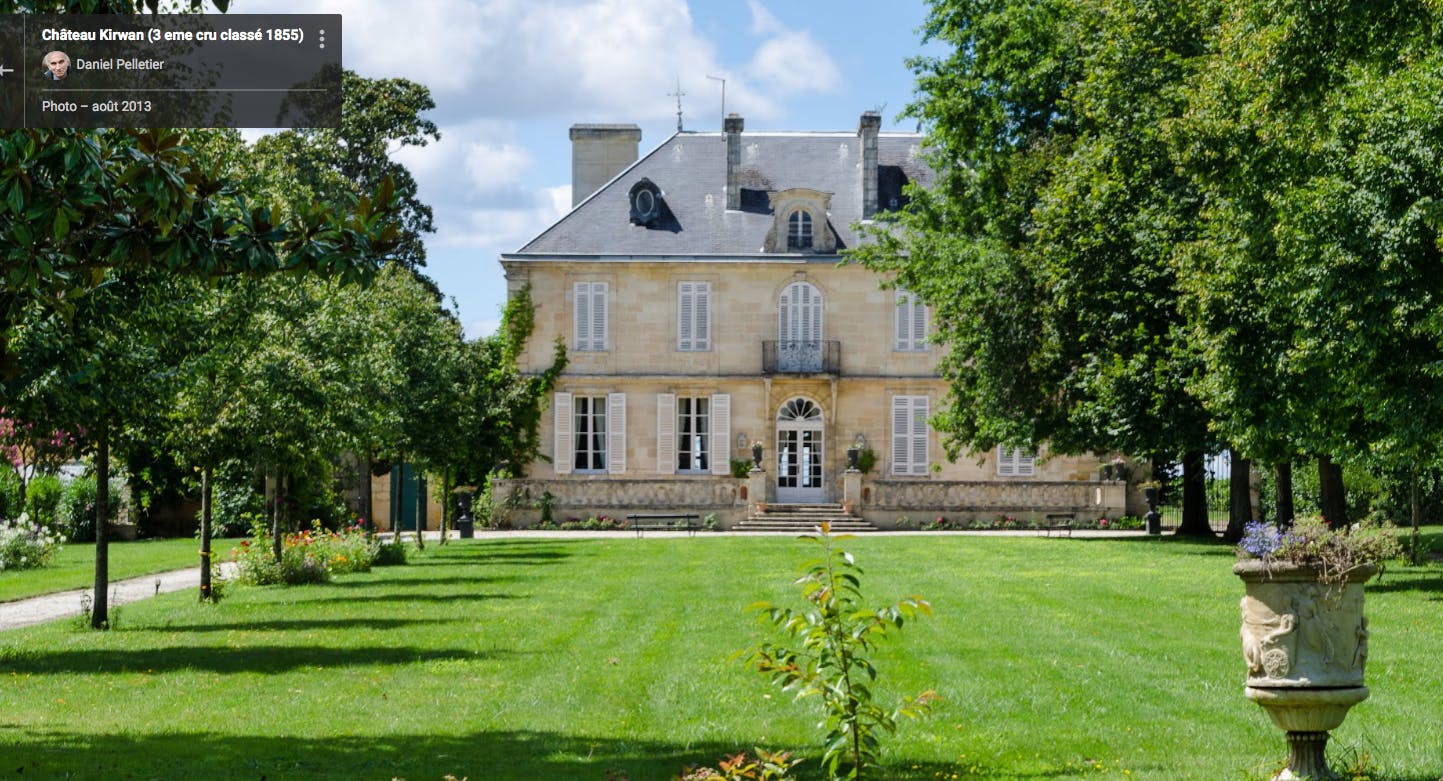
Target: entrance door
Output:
{"points": [[799, 453]]}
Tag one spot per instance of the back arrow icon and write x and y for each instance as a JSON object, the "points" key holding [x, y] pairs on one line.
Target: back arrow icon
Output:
{"points": [[4, 70]]}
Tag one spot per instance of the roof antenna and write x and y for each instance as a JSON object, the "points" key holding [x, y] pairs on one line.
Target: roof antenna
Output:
{"points": [[678, 95], [724, 92]]}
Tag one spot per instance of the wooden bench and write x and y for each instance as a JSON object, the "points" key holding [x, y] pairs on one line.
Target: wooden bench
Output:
{"points": [[665, 522], [1060, 523]]}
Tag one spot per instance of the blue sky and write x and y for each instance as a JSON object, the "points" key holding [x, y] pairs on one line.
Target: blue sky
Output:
{"points": [[510, 77]]}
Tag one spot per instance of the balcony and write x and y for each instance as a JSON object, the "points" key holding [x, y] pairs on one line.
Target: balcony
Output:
{"points": [[823, 357]]}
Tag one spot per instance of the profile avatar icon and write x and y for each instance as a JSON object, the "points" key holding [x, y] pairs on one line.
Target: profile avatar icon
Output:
{"points": [[57, 65]]}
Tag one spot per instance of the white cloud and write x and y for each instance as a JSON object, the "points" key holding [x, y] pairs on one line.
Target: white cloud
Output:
{"points": [[505, 229], [763, 21], [794, 62], [490, 166]]}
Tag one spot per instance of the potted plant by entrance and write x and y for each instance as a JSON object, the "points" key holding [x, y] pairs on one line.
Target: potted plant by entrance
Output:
{"points": [[1304, 636], [757, 454]]}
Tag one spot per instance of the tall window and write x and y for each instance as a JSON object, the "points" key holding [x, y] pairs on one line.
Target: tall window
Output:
{"points": [[693, 308], [799, 230], [589, 315], [589, 437], [1016, 462], [693, 434], [909, 435], [911, 326]]}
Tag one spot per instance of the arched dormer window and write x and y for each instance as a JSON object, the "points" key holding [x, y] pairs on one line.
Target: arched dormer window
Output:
{"points": [[799, 223], [799, 230]]}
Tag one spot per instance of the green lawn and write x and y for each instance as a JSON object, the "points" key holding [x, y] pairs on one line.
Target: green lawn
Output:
{"points": [[75, 566], [538, 659]]}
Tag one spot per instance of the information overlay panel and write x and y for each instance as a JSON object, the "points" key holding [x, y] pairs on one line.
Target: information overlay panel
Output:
{"points": [[170, 70]]}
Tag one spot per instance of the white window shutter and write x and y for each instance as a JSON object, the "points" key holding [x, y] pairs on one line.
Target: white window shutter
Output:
{"points": [[666, 433], [919, 323], [901, 433], [598, 316], [721, 434], [904, 316], [616, 433], [701, 332], [919, 435], [562, 457], [685, 316], [581, 315], [1015, 462]]}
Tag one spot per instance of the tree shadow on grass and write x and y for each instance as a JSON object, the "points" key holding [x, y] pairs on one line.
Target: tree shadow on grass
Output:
{"points": [[303, 625], [408, 597], [362, 582], [1393, 582], [510, 755], [268, 659]]}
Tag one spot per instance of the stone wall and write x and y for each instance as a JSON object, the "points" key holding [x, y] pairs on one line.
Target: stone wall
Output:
{"points": [[889, 500], [884, 500], [584, 498]]}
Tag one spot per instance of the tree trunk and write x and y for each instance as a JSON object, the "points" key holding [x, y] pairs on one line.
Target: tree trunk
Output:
{"points": [[1283, 471], [205, 534], [420, 510], [1333, 497], [447, 508], [1416, 513], [276, 514], [100, 602], [1240, 495], [1194, 497], [363, 506]]}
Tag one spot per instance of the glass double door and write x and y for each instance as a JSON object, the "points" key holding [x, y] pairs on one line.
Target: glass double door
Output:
{"points": [[799, 465]]}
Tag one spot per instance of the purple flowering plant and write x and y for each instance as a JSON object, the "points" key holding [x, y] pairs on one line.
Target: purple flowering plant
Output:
{"points": [[1335, 553]]}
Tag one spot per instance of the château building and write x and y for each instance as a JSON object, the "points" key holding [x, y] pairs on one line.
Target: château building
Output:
{"points": [[704, 305]]}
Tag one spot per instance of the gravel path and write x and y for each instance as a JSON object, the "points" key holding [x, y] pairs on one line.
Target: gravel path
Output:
{"points": [[65, 604]]}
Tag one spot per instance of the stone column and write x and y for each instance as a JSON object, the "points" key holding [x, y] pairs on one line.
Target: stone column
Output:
{"points": [[852, 489], [757, 486]]}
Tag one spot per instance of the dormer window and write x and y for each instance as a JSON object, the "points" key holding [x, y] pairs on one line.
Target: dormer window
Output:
{"points": [[799, 230], [799, 222], [646, 203]]}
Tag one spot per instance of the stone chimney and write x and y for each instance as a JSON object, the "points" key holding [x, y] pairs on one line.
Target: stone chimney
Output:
{"points": [[598, 154], [732, 125], [871, 124]]}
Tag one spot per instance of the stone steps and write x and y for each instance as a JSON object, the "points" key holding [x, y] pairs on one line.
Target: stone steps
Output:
{"points": [[804, 519]]}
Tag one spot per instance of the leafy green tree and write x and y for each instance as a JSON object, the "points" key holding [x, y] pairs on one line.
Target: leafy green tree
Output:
{"points": [[102, 369], [1045, 246], [378, 118], [1314, 132]]}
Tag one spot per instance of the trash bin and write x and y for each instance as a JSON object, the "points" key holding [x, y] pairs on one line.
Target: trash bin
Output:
{"points": [[465, 523]]}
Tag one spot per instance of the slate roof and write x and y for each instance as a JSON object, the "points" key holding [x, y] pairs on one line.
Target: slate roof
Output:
{"points": [[690, 169]]}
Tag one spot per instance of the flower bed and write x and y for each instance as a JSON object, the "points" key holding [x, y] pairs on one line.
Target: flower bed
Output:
{"points": [[24, 545], [1014, 523], [311, 556]]}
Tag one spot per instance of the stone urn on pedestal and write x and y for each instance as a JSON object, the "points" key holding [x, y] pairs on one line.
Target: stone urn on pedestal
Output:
{"points": [[1305, 643]]}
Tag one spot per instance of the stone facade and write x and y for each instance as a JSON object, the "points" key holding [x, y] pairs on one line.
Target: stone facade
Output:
{"points": [[703, 329]]}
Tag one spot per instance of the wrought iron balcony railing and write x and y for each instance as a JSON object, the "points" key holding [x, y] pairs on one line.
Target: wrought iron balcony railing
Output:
{"points": [[793, 357]]}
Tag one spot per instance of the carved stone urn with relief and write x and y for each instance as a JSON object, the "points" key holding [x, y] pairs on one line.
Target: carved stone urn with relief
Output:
{"points": [[1305, 643]]}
